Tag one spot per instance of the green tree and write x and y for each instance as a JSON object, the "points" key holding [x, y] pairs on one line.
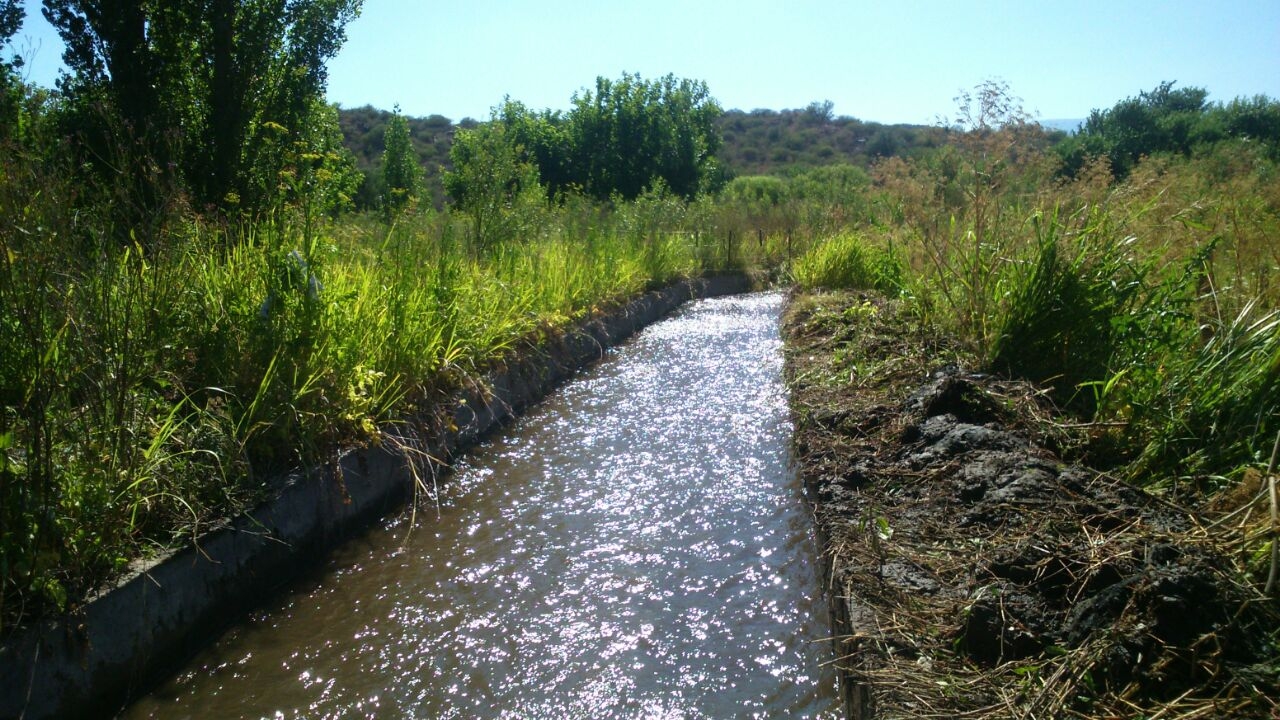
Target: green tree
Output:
{"points": [[1168, 120], [627, 134], [11, 91], [490, 182], [221, 90], [622, 138], [401, 174], [324, 170], [1256, 118], [544, 140]]}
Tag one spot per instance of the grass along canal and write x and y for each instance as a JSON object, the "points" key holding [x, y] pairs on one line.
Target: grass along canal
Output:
{"points": [[638, 544]]}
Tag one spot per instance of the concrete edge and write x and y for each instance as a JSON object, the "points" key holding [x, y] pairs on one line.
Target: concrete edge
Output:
{"points": [[851, 621], [123, 642]]}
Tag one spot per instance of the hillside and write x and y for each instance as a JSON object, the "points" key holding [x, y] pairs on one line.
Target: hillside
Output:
{"points": [[363, 131], [759, 142], [767, 142]]}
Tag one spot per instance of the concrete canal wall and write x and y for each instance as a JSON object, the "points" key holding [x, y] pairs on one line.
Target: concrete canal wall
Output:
{"points": [[88, 664]]}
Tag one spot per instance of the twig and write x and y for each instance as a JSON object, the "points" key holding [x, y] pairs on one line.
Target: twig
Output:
{"points": [[1275, 547]]}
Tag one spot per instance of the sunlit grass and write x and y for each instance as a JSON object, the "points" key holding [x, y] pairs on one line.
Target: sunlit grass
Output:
{"points": [[150, 394]]}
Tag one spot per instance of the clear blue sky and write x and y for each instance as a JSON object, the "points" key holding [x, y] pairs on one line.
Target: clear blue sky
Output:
{"points": [[889, 61]]}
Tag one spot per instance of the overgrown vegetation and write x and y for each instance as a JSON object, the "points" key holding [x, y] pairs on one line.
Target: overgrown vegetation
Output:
{"points": [[180, 324], [1173, 121], [1119, 295], [776, 144], [1145, 314], [148, 393]]}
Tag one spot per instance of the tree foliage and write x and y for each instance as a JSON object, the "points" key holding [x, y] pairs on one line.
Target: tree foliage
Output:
{"points": [[760, 142], [401, 174], [1169, 120], [626, 134], [323, 171], [219, 91], [11, 92], [620, 139], [544, 139], [493, 185]]}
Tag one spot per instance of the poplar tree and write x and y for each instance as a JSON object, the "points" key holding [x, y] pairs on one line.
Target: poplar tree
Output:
{"points": [[401, 174], [212, 89], [11, 15]]}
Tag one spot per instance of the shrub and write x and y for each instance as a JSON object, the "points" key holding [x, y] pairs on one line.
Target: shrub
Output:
{"points": [[847, 261]]}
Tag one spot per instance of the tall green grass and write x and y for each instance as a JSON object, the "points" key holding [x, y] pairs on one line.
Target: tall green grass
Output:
{"points": [[1058, 323], [147, 394], [1146, 308], [849, 261]]}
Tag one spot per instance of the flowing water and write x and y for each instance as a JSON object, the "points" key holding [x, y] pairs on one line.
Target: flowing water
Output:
{"points": [[635, 546]]}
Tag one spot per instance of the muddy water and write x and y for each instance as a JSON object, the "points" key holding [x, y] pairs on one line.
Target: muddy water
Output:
{"points": [[636, 546]]}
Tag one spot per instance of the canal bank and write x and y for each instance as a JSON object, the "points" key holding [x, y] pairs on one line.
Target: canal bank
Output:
{"points": [[118, 644], [636, 545], [976, 574]]}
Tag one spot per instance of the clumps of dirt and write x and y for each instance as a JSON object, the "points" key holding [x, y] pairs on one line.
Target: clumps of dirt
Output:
{"points": [[975, 572]]}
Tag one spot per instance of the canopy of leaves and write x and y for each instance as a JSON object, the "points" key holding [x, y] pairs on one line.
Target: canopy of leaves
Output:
{"points": [[220, 91], [401, 173], [783, 143], [493, 185], [620, 139], [1169, 120], [10, 84], [626, 134]]}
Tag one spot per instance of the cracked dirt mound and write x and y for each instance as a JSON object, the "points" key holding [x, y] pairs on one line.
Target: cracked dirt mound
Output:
{"points": [[974, 572]]}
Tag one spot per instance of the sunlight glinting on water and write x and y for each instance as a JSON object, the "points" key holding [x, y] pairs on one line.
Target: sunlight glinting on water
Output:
{"points": [[636, 546]]}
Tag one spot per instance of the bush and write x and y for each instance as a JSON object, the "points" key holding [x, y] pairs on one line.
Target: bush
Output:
{"points": [[848, 262], [1058, 327]]}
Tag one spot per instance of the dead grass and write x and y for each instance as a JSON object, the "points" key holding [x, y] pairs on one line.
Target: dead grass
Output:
{"points": [[1019, 605]]}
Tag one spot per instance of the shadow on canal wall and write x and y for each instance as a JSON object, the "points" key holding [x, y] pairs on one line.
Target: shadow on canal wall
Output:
{"points": [[93, 661]]}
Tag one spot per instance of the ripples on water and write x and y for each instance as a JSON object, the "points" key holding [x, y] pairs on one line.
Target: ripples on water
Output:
{"points": [[636, 546]]}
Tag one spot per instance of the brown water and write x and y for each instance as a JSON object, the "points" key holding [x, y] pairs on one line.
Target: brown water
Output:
{"points": [[636, 546]]}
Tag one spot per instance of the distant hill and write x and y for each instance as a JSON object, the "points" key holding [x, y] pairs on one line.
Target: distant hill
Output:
{"points": [[363, 132], [768, 142], [1069, 125], [759, 142]]}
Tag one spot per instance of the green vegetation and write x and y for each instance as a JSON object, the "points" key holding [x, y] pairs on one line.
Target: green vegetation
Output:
{"points": [[768, 142], [1169, 121], [1148, 305], [149, 394], [179, 325], [11, 93], [622, 138], [364, 132], [778, 144], [244, 108], [848, 261], [401, 174]]}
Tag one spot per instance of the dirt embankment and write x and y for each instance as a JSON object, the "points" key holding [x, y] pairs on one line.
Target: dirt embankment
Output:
{"points": [[974, 573]]}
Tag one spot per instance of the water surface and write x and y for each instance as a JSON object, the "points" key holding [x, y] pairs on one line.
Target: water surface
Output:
{"points": [[636, 546]]}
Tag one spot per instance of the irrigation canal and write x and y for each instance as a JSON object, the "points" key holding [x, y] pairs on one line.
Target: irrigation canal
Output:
{"points": [[635, 546]]}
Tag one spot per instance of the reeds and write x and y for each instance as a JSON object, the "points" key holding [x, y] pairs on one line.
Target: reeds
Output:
{"points": [[1147, 308], [149, 393], [847, 261]]}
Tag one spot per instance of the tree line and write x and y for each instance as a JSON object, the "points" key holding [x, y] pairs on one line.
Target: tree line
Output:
{"points": [[218, 106], [756, 143], [1170, 120]]}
